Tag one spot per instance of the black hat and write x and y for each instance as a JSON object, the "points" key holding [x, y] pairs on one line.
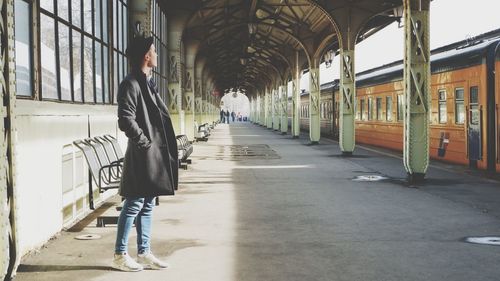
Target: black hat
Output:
{"points": [[139, 46]]}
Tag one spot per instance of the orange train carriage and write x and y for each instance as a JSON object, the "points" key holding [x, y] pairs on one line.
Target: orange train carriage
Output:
{"points": [[465, 98]]}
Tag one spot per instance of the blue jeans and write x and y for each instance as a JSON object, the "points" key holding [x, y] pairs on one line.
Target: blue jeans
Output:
{"points": [[141, 210]]}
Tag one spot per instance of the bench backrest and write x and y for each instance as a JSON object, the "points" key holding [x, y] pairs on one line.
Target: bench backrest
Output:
{"points": [[116, 146], [91, 157], [108, 148]]}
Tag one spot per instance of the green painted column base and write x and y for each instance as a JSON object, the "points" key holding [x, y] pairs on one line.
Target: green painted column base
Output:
{"points": [[415, 178]]}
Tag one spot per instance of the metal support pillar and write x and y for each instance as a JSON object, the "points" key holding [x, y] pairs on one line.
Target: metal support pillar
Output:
{"points": [[269, 109], [262, 103], [284, 108], [347, 97], [296, 99], [9, 241], [314, 102], [189, 110], [276, 109], [416, 88]]}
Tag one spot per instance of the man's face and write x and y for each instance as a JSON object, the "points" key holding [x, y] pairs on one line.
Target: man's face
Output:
{"points": [[151, 57]]}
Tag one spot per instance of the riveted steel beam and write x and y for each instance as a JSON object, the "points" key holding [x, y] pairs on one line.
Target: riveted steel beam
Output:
{"points": [[416, 88]]}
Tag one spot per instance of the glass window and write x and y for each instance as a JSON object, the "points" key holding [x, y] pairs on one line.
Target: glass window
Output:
{"points": [[442, 112], [105, 22], [76, 9], [77, 66], [106, 70], [87, 16], [64, 62], [23, 47], [379, 109], [459, 106], [97, 18], [62, 9], [98, 71], [48, 60], [47, 5], [388, 108], [400, 108], [474, 95], [370, 108], [362, 108], [88, 66]]}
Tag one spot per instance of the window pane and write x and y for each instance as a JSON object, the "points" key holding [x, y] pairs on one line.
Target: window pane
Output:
{"points": [[106, 74], [379, 109], [23, 48], [459, 113], [459, 94], [62, 9], [87, 15], [120, 29], [64, 64], [105, 21], [47, 5], [474, 98], [97, 18], [47, 49], [98, 71], [125, 24], [116, 76], [77, 66], [400, 108], [388, 109], [442, 112], [76, 17], [370, 108], [88, 76], [115, 24]]}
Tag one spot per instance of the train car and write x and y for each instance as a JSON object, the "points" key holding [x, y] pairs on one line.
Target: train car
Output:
{"points": [[464, 122]]}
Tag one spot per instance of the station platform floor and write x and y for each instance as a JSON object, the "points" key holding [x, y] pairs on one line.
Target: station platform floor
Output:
{"points": [[256, 205]]}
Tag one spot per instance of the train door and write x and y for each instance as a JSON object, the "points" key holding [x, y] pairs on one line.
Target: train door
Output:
{"points": [[474, 127]]}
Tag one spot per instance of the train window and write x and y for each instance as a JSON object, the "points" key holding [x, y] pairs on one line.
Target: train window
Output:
{"points": [[370, 108], [442, 112], [400, 108], [459, 106], [379, 108], [474, 97], [362, 109], [388, 108], [23, 47]]}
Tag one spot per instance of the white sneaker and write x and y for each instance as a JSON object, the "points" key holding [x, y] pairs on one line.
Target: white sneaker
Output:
{"points": [[124, 262], [150, 261]]}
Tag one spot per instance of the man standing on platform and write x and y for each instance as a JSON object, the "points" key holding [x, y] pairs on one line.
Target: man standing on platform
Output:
{"points": [[150, 166]]}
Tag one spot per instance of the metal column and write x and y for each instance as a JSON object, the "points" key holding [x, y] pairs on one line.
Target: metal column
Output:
{"points": [[284, 108], [416, 88], [296, 99], [9, 241], [314, 102], [276, 109], [347, 97]]}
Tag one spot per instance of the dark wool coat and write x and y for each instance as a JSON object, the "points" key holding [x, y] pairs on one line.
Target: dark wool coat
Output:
{"points": [[150, 167]]}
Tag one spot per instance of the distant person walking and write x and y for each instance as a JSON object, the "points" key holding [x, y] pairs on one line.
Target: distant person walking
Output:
{"points": [[150, 166], [233, 115], [227, 116]]}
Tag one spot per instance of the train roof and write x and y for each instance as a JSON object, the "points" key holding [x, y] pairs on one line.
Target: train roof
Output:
{"points": [[457, 55]]}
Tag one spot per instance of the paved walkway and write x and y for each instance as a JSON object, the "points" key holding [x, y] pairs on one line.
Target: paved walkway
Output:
{"points": [[257, 205]]}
